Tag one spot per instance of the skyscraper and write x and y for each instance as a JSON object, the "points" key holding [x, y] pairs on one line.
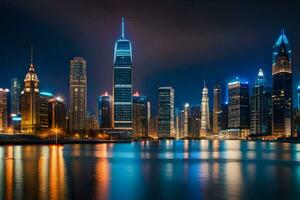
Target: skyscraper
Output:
{"points": [[224, 116], [105, 111], [57, 115], [217, 109], [195, 117], [165, 112], [91, 123], [45, 111], [186, 120], [30, 101], [3, 110], [238, 105], [260, 120], [122, 83], [282, 87], [205, 120], [140, 115], [15, 90], [78, 95], [298, 96]]}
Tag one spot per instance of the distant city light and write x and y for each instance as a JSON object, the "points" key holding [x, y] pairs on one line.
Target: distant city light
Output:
{"points": [[4, 90], [46, 94], [136, 94], [16, 118]]}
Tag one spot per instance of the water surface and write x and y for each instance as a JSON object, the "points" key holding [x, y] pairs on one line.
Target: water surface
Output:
{"points": [[151, 170]]}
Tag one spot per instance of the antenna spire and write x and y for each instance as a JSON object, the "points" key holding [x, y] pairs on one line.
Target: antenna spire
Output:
{"points": [[123, 28], [204, 84], [31, 54]]}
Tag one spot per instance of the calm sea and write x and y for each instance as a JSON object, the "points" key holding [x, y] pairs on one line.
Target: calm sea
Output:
{"points": [[151, 170]]}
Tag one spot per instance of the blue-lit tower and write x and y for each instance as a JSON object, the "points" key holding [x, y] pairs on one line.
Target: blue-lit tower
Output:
{"points": [[122, 83], [238, 105], [282, 87], [104, 110], [260, 121]]}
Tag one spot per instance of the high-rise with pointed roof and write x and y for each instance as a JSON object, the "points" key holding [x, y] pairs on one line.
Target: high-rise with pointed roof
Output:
{"points": [[205, 120], [217, 109], [30, 104], [122, 83], [282, 87], [260, 115]]}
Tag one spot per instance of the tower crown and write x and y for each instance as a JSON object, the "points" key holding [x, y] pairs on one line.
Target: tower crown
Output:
{"points": [[260, 73], [260, 80], [282, 39], [31, 75]]}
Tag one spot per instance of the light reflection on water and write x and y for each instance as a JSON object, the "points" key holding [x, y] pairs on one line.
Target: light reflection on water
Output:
{"points": [[151, 170]]}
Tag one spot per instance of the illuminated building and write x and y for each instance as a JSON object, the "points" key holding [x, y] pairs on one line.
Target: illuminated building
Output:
{"points": [[105, 111], [44, 111], [140, 115], [180, 118], [194, 122], [298, 96], [78, 95], [91, 122], [153, 127], [260, 119], [217, 109], [176, 123], [15, 90], [238, 105], [165, 127], [122, 83], [3, 110], [205, 120], [186, 112], [282, 87], [30, 102], [16, 123], [57, 115]]}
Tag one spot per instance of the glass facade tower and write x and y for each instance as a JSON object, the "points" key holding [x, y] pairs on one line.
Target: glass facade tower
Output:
{"points": [[122, 83], [282, 87], [15, 96], [104, 111], [260, 107], [165, 112], [238, 105], [217, 109]]}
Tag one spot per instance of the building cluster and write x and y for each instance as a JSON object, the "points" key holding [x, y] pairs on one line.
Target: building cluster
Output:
{"points": [[268, 111]]}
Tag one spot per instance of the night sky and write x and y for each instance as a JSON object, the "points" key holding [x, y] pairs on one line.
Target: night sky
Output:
{"points": [[177, 43]]}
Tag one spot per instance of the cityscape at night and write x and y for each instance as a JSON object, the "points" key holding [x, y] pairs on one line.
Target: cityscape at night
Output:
{"points": [[149, 100]]}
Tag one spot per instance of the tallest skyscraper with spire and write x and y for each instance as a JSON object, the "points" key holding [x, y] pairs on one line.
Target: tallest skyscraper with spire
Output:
{"points": [[122, 83], [282, 87]]}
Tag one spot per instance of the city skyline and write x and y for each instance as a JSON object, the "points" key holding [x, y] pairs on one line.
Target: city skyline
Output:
{"points": [[152, 70], [173, 99]]}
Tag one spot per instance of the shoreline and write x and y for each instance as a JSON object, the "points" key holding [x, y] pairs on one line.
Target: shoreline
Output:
{"points": [[95, 141], [59, 142]]}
